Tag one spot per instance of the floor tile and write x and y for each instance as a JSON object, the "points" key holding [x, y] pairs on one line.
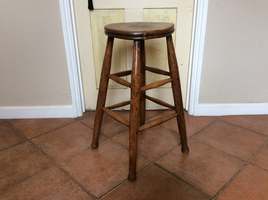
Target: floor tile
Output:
{"points": [[50, 184], [204, 167], [232, 139], [88, 118], [257, 123], [102, 169], [19, 163], [261, 158], [8, 136], [152, 143], [250, 184], [193, 124], [155, 184], [110, 127], [34, 127], [66, 142]]}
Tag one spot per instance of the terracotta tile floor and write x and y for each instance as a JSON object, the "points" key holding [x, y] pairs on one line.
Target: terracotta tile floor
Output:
{"points": [[51, 159]]}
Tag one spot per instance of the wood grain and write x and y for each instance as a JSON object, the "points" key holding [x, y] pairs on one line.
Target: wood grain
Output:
{"points": [[158, 120], [106, 68], [157, 71], [119, 80], [160, 102], [176, 88], [156, 84], [117, 116]]}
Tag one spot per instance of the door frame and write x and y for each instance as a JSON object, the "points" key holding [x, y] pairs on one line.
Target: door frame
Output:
{"points": [[72, 56], [74, 67], [197, 55]]}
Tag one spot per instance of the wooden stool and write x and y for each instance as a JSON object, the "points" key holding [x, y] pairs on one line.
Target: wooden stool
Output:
{"points": [[139, 32]]}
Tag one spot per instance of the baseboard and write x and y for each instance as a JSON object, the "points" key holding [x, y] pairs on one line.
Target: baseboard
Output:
{"points": [[24, 112], [231, 109]]}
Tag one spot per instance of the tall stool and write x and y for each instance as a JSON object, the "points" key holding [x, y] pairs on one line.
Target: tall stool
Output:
{"points": [[139, 32]]}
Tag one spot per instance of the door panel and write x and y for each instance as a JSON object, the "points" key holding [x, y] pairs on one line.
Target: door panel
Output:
{"points": [[99, 18], [91, 40], [156, 50]]}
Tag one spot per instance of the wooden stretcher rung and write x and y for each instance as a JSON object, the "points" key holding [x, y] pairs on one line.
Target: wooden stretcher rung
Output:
{"points": [[120, 80], [160, 102], [157, 71], [116, 116], [118, 105], [158, 120], [156, 84], [123, 73]]}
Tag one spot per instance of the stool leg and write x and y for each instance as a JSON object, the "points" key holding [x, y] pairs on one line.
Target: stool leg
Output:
{"points": [[176, 88], [135, 108], [106, 67], [143, 80]]}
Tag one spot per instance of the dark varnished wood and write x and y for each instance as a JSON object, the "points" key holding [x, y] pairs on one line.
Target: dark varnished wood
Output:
{"points": [[118, 105], [135, 108], [157, 71], [176, 88], [119, 80], [158, 120], [143, 81], [123, 73], [160, 102], [116, 116], [106, 68], [156, 84], [139, 30]]}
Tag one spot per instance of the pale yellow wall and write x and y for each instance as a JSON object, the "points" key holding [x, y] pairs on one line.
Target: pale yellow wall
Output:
{"points": [[235, 68], [33, 69]]}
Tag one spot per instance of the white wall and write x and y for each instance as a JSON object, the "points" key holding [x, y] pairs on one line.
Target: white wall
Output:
{"points": [[33, 68], [235, 67]]}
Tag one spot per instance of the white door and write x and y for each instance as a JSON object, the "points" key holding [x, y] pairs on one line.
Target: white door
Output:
{"points": [[92, 41]]}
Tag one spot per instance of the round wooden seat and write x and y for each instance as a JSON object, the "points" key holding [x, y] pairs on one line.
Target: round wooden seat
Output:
{"points": [[139, 30]]}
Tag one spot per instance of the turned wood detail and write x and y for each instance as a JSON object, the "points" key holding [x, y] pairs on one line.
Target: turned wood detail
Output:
{"points": [[139, 32]]}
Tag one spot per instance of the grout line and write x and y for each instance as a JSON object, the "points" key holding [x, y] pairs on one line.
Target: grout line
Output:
{"points": [[126, 148], [177, 178], [198, 131], [222, 151], [52, 130], [254, 165], [230, 180], [204, 128], [141, 153], [18, 134], [125, 181], [252, 159], [179, 142], [242, 127], [12, 146], [18, 182], [44, 133], [244, 160], [60, 168], [151, 162], [85, 124], [112, 189], [91, 135]]}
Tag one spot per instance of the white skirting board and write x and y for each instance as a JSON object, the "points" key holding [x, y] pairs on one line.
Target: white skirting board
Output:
{"points": [[24, 112], [231, 109]]}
